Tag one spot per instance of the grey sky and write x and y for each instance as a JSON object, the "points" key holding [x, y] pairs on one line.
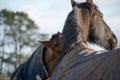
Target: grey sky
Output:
{"points": [[50, 15]]}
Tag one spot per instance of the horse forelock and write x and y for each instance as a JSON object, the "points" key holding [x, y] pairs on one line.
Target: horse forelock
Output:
{"points": [[87, 5], [92, 8]]}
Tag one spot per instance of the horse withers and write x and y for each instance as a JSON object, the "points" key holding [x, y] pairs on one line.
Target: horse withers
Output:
{"points": [[42, 62]]}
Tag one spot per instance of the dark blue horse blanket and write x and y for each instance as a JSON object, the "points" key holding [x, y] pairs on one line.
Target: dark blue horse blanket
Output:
{"points": [[32, 67], [84, 63]]}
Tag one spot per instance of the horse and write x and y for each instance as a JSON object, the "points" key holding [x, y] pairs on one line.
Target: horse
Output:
{"points": [[77, 60], [41, 63], [52, 51]]}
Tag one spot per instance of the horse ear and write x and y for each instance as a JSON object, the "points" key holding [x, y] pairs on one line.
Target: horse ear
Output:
{"points": [[89, 1], [73, 3], [45, 43]]}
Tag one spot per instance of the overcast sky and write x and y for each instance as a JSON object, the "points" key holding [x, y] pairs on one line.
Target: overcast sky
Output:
{"points": [[50, 15]]}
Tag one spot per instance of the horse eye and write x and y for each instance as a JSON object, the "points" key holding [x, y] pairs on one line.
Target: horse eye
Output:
{"points": [[56, 45], [107, 37]]}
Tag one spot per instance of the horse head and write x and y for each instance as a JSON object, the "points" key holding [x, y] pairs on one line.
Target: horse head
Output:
{"points": [[94, 28], [52, 52]]}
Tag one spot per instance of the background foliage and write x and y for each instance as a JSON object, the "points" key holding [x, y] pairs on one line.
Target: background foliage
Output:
{"points": [[19, 35]]}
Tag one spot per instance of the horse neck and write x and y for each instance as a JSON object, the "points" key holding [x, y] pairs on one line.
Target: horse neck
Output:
{"points": [[72, 32], [50, 59]]}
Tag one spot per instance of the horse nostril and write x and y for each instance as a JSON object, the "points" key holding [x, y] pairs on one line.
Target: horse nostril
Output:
{"points": [[115, 43]]}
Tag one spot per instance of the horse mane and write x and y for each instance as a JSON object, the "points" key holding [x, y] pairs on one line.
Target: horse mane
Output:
{"points": [[70, 33]]}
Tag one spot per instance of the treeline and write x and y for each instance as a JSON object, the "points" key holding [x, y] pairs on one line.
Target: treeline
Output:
{"points": [[18, 36]]}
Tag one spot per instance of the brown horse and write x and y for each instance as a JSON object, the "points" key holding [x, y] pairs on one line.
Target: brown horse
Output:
{"points": [[42, 62], [78, 61], [52, 52]]}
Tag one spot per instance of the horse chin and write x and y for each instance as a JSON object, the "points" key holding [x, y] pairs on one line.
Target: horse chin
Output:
{"points": [[106, 45], [110, 46]]}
